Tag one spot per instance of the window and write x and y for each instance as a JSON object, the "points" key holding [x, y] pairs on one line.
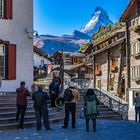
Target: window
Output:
{"points": [[8, 61], [135, 72], [6, 9], [82, 69], [2, 60], [135, 21], [1, 8], [111, 83], [99, 84], [98, 68], [135, 48], [114, 64]]}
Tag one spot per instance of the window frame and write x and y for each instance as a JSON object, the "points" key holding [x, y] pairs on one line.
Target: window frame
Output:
{"points": [[2, 11], [4, 63]]}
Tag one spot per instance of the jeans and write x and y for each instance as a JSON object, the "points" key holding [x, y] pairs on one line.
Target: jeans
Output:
{"points": [[94, 124], [53, 98], [42, 111], [21, 112], [137, 114], [70, 108]]}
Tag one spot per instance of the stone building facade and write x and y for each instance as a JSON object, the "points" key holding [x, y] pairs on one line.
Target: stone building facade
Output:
{"points": [[131, 17], [108, 60]]}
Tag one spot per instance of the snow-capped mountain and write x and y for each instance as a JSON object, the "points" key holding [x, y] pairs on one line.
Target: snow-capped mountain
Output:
{"points": [[51, 44], [99, 18]]}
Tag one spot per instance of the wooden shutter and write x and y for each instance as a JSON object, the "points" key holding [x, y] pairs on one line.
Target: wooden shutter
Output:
{"points": [[114, 64], [11, 62], [8, 4], [98, 68]]}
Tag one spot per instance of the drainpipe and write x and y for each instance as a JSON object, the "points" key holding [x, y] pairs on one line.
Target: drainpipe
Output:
{"points": [[128, 58]]}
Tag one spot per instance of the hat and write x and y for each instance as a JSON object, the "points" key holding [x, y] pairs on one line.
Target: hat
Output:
{"points": [[71, 84]]}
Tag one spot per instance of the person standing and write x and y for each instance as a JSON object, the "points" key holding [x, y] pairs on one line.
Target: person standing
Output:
{"points": [[21, 102], [54, 91], [70, 106], [91, 102], [41, 108], [137, 106]]}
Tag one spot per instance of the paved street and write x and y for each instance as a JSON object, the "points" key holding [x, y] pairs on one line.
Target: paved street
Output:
{"points": [[106, 130]]}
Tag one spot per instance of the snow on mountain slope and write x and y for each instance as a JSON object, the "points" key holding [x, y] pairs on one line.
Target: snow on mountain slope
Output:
{"points": [[99, 18]]}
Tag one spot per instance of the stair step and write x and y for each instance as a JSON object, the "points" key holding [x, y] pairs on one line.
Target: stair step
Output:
{"points": [[30, 124], [52, 113], [29, 118]]}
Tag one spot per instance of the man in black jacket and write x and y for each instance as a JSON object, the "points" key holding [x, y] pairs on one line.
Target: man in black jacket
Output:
{"points": [[41, 109]]}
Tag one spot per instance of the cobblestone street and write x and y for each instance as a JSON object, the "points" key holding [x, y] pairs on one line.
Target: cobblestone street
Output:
{"points": [[106, 130]]}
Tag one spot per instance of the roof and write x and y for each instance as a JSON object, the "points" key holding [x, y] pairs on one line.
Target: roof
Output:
{"points": [[129, 10], [71, 67], [110, 46], [106, 34], [40, 52], [71, 54], [88, 49]]}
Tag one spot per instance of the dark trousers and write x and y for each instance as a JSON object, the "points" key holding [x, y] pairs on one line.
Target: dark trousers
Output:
{"points": [[21, 113], [53, 98], [70, 108], [42, 111], [137, 113], [94, 124]]}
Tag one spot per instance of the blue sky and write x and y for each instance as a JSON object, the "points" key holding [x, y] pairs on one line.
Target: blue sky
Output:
{"points": [[58, 17]]}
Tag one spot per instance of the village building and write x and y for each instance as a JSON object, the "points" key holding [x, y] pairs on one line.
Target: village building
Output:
{"points": [[16, 49], [42, 67], [82, 74], [131, 17], [108, 59], [69, 58], [89, 49]]}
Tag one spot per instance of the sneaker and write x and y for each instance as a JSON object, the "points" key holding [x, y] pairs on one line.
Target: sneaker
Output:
{"points": [[64, 127]]}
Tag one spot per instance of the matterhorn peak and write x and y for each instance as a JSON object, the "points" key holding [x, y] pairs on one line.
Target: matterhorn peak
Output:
{"points": [[99, 18]]}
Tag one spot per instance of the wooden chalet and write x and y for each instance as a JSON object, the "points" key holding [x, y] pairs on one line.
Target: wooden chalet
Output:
{"points": [[108, 59], [131, 17], [69, 58]]}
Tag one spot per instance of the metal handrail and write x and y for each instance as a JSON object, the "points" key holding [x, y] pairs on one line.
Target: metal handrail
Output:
{"points": [[113, 102]]}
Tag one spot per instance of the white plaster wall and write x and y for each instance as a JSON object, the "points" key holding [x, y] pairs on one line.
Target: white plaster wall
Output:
{"points": [[131, 108], [38, 58], [14, 31]]}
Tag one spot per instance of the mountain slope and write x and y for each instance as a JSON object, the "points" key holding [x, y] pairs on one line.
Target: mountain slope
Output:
{"points": [[99, 18], [72, 43]]}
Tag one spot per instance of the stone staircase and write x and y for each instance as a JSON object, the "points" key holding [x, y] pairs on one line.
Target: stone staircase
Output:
{"points": [[104, 112], [8, 112]]}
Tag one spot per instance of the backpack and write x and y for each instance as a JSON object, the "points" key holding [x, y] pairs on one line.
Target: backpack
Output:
{"points": [[68, 96]]}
